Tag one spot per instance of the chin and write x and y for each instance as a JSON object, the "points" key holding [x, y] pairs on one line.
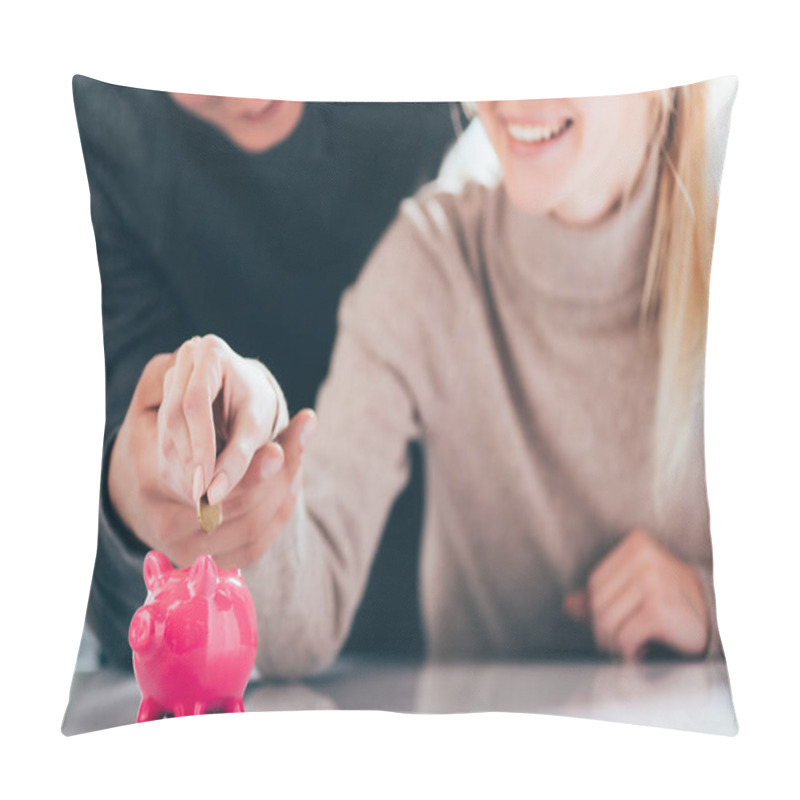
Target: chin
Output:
{"points": [[529, 201], [254, 145], [260, 135]]}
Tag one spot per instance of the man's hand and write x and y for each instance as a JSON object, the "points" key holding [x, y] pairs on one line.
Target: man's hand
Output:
{"points": [[165, 455]]}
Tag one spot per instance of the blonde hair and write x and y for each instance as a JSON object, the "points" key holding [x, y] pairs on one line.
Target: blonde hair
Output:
{"points": [[678, 274]]}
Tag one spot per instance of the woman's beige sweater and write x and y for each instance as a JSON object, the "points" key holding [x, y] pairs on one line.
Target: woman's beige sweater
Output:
{"points": [[511, 347]]}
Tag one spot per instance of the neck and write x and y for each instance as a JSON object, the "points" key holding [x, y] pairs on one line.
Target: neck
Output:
{"points": [[595, 261]]}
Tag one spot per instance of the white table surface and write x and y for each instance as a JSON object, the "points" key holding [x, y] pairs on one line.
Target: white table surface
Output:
{"points": [[691, 696]]}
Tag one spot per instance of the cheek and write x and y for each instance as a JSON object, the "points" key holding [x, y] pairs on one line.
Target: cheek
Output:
{"points": [[600, 128], [616, 126], [604, 148], [260, 135]]}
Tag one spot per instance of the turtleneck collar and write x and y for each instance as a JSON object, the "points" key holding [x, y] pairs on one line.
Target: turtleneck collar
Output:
{"points": [[593, 264]]}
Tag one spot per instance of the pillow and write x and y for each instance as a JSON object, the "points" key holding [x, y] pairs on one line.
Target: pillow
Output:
{"points": [[503, 503]]}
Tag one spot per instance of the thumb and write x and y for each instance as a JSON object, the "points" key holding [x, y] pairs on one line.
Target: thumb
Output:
{"points": [[295, 437], [234, 461], [576, 605]]}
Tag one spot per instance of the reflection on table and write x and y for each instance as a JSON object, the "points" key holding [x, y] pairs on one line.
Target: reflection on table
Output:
{"points": [[692, 696]]}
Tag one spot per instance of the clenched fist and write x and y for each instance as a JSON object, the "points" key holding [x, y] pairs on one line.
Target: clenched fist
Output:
{"points": [[641, 593]]}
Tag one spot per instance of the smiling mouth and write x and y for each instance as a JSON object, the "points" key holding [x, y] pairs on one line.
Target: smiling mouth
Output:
{"points": [[528, 133]]}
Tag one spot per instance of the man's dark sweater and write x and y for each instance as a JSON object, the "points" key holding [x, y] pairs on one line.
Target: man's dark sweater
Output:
{"points": [[196, 236]]}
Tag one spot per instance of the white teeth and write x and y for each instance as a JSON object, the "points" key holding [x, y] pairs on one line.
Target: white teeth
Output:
{"points": [[535, 133]]}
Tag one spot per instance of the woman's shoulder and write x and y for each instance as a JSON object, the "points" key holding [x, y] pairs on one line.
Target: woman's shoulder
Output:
{"points": [[445, 223], [427, 264], [438, 210], [454, 213]]}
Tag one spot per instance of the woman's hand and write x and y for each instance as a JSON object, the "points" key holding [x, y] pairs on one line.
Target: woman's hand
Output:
{"points": [[641, 593], [186, 407], [217, 410]]}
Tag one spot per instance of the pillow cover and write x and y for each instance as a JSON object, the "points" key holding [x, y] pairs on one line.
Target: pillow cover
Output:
{"points": [[519, 344]]}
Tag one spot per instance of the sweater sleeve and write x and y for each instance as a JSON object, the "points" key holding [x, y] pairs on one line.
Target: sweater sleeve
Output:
{"points": [[135, 328], [714, 649], [138, 323], [117, 588], [308, 585]]}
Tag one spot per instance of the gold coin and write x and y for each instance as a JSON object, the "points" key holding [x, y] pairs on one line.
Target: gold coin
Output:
{"points": [[207, 515]]}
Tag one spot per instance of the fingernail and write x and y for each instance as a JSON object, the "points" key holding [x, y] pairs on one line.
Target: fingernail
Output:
{"points": [[218, 489], [197, 483], [271, 466], [308, 430]]}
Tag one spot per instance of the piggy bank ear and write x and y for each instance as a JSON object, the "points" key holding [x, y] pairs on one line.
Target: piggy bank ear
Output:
{"points": [[203, 577], [156, 569]]}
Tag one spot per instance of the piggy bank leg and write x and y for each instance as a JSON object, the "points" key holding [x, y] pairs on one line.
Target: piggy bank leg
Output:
{"points": [[187, 710], [233, 705], [149, 710]]}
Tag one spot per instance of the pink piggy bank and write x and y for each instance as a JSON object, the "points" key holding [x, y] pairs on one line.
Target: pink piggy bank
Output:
{"points": [[193, 640]]}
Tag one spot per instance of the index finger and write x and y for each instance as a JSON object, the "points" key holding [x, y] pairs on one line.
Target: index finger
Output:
{"points": [[614, 568], [203, 386]]}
